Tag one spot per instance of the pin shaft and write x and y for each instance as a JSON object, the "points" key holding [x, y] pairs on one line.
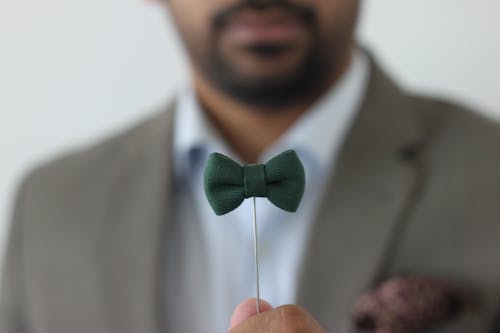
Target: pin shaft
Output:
{"points": [[256, 255]]}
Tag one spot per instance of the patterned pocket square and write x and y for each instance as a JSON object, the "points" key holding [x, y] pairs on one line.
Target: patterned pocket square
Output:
{"points": [[408, 304]]}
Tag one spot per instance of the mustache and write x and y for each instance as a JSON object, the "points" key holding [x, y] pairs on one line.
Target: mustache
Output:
{"points": [[303, 13]]}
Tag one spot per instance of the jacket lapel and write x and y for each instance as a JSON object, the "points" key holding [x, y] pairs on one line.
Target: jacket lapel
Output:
{"points": [[373, 185], [135, 226]]}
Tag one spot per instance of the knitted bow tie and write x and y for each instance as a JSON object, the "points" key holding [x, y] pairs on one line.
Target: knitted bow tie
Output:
{"points": [[227, 183]]}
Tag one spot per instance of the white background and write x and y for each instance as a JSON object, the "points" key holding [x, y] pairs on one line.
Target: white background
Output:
{"points": [[72, 71]]}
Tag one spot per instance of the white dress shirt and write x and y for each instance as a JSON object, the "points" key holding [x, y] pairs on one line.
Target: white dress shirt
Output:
{"points": [[210, 267]]}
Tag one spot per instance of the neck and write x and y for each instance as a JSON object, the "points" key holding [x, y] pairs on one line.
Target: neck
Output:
{"points": [[249, 131]]}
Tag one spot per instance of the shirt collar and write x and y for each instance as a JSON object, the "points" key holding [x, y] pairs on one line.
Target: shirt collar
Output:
{"points": [[194, 135]]}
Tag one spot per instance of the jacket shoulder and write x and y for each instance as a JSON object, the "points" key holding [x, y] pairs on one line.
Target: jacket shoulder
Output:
{"points": [[439, 115], [81, 166]]}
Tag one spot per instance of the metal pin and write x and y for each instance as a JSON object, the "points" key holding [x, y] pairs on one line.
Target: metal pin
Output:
{"points": [[256, 254]]}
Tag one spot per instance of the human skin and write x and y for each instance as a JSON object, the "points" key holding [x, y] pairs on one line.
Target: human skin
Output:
{"points": [[284, 319], [249, 125]]}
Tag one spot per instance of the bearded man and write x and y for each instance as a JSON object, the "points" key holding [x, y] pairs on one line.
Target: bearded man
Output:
{"points": [[401, 205]]}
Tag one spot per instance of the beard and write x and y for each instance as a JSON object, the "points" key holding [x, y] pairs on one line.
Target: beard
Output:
{"points": [[268, 91], [300, 82]]}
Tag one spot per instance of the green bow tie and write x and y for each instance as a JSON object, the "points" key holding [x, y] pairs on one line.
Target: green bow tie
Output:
{"points": [[281, 180]]}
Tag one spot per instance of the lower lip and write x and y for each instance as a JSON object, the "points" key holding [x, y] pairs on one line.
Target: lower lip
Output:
{"points": [[264, 32]]}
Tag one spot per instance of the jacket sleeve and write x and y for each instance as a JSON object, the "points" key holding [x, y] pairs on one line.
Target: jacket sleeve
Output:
{"points": [[13, 317]]}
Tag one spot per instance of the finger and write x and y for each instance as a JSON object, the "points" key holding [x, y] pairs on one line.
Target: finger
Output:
{"points": [[287, 318], [247, 309]]}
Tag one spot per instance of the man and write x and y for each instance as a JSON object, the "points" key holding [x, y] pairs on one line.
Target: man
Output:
{"points": [[119, 237]]}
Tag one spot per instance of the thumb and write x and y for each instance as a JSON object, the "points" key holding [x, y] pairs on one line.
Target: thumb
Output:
{"points": [[247, 309]]}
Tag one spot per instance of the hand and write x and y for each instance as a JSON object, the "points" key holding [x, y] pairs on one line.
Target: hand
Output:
{"points": [[284, 319]]}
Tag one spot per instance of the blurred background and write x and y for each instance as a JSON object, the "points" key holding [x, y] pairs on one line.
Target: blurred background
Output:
{"points": [[72, 72]]}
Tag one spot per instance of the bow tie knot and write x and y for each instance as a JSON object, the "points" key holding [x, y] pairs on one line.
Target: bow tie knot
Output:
{"points": [[254, 177], [281, 180]]}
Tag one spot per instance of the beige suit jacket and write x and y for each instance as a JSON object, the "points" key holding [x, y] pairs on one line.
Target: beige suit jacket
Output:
{"points": [[416, 189]]}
